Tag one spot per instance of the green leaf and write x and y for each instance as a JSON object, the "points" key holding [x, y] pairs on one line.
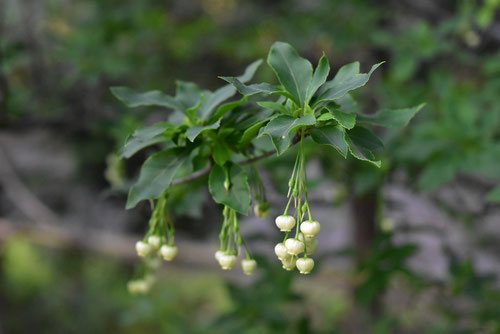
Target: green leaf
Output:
{"points": [[293, 71], [346, 120], [237, 196], [194, 131], [187, 94], [143, 138], [250, 71], [274, 106], [347, 71], [348, 78], [249, 90], [192, 111], [332, 135], [391, 118], [281, 129], [227, 107], [133, 99], [156, 175], [327, 116], [250, 133], [213, 99], [319, 77], [362, 144], [347, 104], [494, 195], [221, 153]]}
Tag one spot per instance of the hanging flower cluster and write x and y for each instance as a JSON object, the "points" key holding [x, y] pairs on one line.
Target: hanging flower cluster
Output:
{"points": [[299, 238], [158, 243], [231, 242], [212, 133]]}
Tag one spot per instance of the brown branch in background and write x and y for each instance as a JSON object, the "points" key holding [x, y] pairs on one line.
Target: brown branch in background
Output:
{"points": [[20, 195], [106, 243], [194, 255]]}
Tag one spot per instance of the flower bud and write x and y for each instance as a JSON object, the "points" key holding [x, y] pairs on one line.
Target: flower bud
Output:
{"points": [[248, 266], [137, 287], [154, 241], [280, 251], [310, 228], [168, 252], [294, 246], [219, 254], [261, 210], [289, 262], [285, 223], [143, 249], [305, 265], [310, 244], [227, 261]]}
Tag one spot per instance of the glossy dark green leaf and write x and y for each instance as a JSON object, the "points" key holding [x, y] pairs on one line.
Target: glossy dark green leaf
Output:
{"points": [[363, 144], [319, 77], [188, 94], [293, 71], [327, 116], [347, 104], [143, 138], [237, 196], [133, 99], [156, 175], [281, 129], [348, 78], [332, 135], [221, 153], [391, 118], [194, 131], [249, 90], [250, 133], [213, 99], [346, 120], [227, 107], [250, 71], [274, 106]]}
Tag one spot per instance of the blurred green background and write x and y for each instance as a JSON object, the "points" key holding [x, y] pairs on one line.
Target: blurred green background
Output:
{"points": [[417, 250]]}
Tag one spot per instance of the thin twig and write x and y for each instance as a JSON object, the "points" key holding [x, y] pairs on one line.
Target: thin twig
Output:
{"points": [[192, 177], [205, 171]]}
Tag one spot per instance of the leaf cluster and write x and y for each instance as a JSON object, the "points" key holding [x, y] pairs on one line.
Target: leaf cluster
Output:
{"points": [[208, 128]]}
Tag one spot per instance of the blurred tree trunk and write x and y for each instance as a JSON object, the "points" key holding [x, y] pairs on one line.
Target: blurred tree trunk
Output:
{"points": [[365, 214], [364, 210], [3, 80]]}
